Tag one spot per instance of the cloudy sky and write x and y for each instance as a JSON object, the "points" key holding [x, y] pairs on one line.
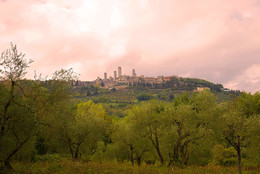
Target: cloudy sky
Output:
{"points": [[217, 40]]}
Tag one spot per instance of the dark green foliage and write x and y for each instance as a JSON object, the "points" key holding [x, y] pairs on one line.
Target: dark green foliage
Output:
{"points": [[113, 89], [143, 97], [192, 83], [96, 91], [40, 146], [171, 96], [88, 93]]}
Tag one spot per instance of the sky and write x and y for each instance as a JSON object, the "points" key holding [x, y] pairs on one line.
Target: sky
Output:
{"points": [[216, 40]]}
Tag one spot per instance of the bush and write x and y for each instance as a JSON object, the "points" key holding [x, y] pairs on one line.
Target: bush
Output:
{"points": [[224, 156], [49, 157], [144, 97]]}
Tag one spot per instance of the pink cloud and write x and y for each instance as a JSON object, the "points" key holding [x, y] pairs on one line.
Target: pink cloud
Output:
{"points": [[215, 40]]}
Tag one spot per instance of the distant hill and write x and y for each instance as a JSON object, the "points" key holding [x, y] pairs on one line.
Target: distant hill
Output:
{"points": [[114, 99], [160, 82]]}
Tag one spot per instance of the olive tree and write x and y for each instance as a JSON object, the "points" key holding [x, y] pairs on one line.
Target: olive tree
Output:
{"points": [[131, 141], [189, 118], [239, 123], [25, 104], [16, 109], [148, 121]]}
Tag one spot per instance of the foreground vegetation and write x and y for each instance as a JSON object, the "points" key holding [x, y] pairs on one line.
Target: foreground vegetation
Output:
{"points": [[44, 129], [69, 166]]}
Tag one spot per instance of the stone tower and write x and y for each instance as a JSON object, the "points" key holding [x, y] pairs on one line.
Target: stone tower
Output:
{"points": [[119, 71], [115, 75], [133, 73], [105, 76]]}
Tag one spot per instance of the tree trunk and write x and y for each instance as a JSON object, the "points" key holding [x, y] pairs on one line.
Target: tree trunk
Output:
{"points": [[1, 135], [5, 117], [174, 156], [239, 155], [132, 154], [184, 156], [7, 164], [238, 149], [138, 160], [176, 152], [77, 151], [177, 146], [171, 159], [157, 147], [70, 147], [18, 147], [160, 155]]}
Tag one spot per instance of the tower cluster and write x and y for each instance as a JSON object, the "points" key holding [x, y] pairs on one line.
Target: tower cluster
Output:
{"points": [[118, 76], [121, 81]]}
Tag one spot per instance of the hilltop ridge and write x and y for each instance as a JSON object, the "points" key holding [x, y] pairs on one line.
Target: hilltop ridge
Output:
{"points": [[122, 82]]}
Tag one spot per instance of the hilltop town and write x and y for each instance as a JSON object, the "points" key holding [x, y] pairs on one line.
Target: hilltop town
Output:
{"points": [[121, 81]]}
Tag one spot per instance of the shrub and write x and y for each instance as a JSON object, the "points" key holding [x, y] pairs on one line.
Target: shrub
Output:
{"points": [[224, 156]]}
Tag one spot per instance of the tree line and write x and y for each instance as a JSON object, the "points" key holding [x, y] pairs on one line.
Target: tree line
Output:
{"points": [[40, 116]]}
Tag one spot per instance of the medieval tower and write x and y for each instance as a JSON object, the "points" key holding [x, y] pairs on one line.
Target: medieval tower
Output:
{"points": [[133, 73], [115, 76], [105, 76], [119, 71]]}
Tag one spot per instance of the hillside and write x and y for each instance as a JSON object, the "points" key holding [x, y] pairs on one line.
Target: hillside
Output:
{"points": [[117, 102]]}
